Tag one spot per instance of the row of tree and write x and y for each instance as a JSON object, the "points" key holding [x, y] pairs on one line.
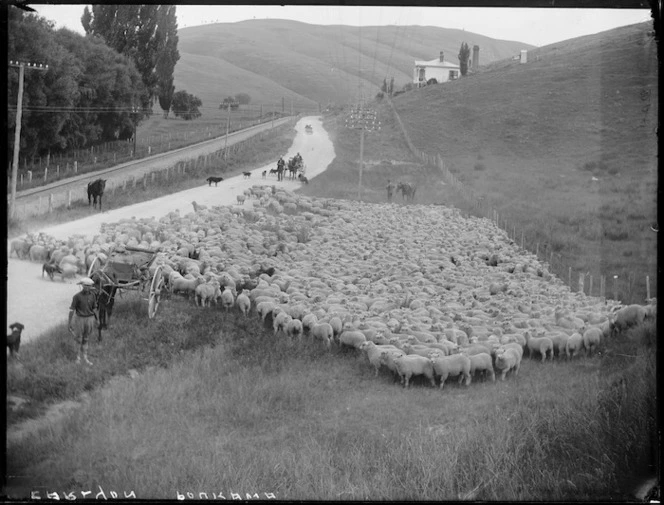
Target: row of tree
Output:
{"points": [[97, 87]]}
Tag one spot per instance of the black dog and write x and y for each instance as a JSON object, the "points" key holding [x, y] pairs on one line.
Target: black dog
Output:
{"points": [[50, 269], [14, 339], [246, 175], [303, 179], [216, 180]]}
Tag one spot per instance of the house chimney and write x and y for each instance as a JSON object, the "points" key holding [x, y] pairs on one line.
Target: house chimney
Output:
{"points": [[441, 56], [476, 57]]}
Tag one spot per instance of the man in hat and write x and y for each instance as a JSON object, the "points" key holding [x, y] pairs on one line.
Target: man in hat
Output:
{"points": [[390, 190], [82, 317]]}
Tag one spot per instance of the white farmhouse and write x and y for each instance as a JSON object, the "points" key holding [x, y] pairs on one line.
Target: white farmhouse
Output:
{"points": [[438, 69]]}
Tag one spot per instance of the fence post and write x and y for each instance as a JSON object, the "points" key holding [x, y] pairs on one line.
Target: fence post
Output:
{"points": [[57, 170], [21, 179], [602, 286], [537, 250], [569, 278], [153, 174], [615, 287], [75, 167], [29, 175], [648, 288], [590, 287], [124, 185], [45, 173], [145, 181], [50, 203], [582, 282]]}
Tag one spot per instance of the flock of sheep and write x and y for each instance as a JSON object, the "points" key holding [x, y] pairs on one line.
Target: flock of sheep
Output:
{"points": [[420, 290]]}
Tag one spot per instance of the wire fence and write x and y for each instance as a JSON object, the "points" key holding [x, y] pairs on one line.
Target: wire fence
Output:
{"points": [[622, 286], [187, 168]]}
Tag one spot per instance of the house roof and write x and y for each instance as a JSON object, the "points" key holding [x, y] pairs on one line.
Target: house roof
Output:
{"points": [[435, 63]]}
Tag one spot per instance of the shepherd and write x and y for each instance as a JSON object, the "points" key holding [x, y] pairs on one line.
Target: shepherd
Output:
{"points": [[96, 190], [82, 317]]}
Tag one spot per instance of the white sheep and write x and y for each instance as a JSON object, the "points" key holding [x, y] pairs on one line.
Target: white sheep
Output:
{"points": [[227, 299], [184, 285], [592, 338], [373, 353], [506, 360], [542, 345], [409, 365], [323, 332], [243, 303], [447, 366], [626, 317], [280, 321], [265, 308], [559, 340], [482, 363], [337, 325], [574, 345], [294, 328], [308, 322], [352, 338], [206, 293]]}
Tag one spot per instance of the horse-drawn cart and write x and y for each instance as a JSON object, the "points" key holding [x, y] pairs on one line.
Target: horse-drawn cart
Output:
{"points": [[127, 268], [309, 130]]}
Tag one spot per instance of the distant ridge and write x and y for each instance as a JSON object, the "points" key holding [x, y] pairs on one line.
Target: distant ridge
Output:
{"points": [[310, 64]]}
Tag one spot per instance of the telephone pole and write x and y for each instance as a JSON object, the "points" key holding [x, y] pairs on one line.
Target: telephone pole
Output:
{"points": [[228, 127], [17, 130], [364, 119]]}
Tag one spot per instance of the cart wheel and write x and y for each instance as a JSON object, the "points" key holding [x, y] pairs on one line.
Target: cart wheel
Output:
{"points": [[96, 265], [155, 292]]}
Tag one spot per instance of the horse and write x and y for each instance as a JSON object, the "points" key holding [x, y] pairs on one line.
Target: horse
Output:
{"points": [[293, 166], [407, 191], [214, 179], [105, 300], [96, 190]]}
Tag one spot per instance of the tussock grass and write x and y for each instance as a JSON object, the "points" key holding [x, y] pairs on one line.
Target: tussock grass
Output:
{"points": [[255, 413]]}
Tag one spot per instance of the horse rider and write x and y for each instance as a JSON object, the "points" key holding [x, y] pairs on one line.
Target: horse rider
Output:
{"points": [[390, 190], [280, 168], [82, 317]]}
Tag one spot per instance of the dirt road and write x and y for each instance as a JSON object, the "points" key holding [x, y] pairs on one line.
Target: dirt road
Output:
{"points": [[40, 304]]}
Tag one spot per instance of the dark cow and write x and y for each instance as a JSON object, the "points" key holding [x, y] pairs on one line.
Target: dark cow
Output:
{"points": [[14, 339]]}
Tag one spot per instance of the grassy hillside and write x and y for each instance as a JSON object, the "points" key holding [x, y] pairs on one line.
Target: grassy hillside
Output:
{"points": [[532, 137], [315, 63]]}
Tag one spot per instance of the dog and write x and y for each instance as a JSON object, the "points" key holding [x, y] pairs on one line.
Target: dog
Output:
{"points": [[264, 174], [303, 179], [51, 269], [14, 339], [246, 175], [216, 180]]}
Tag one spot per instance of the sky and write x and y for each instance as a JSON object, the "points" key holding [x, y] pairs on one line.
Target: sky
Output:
{"points": [[535, 26]]}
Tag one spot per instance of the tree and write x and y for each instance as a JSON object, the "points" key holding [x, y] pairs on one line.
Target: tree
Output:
{"points": [[464, 56], [243, 98], [145, 33], [167, 57], [185, 105]]}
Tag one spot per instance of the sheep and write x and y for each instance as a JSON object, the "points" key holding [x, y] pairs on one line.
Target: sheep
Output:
{"points": [[264, 309], [66, 271], [280, 321], [420, 350], [626, 317], [337, 325], [324, 332], [446, 366], [308, 322], [39, 253], [482, 363], [240, 199], [243, 303], [559, 340], [206, 293], [542, 345], [574, 345], [294, 328], [198, 207], [227, 299], [373, 353], [409, 365], [506, 360], [352, 338], [20, 247], [592, 338], [184, 285]]}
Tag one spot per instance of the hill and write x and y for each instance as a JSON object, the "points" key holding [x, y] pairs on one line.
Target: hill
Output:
{"points": [[311, 64], [564, 147]]}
